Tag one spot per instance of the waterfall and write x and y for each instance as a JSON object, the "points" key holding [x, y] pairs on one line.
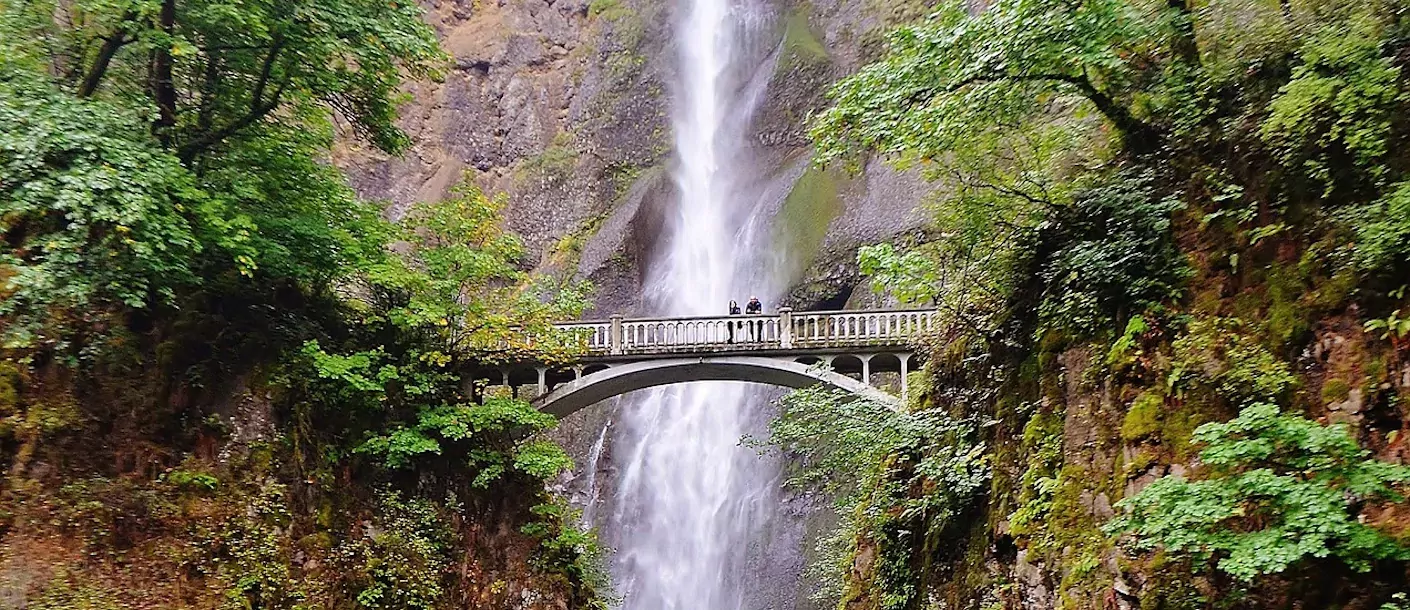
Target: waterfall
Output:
{"points": [[594, 463], [693, 506]]}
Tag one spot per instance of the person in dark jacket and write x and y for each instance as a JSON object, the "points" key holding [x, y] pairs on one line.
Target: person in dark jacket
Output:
{"points": [[734, 311], [754, 308]]}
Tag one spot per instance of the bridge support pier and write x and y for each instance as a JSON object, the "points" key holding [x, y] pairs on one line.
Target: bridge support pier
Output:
{"points": [[905, 383], [543, 380], [866, 367]]}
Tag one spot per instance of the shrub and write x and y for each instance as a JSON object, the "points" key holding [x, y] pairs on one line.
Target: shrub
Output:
{"points": [[1274, 490], [1215, 354], [1116, 255], [901, 480], [1332, 121], [1383, 232]]}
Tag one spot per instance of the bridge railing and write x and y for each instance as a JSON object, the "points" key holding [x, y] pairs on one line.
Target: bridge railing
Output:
{"points": [[786, 330]]}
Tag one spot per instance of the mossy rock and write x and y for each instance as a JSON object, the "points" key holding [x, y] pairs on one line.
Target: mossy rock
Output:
{"points": [[10, 380], [1335, 390], [802, 222], [801, 48], [1143, 419]]}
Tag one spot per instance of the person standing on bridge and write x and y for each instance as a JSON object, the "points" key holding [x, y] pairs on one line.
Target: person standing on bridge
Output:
{"points": [[734, 311], [754, 308]]}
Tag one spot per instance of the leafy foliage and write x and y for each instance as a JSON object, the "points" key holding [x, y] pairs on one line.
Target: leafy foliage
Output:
{"points": [[1135, 179], [1274, 490], [402, 564], [164, 148], [565, 548], [889, 472], [1118, 256], [91, 214], [173, 230], [1220, 356], [957, 75], [460, 282], [1332, 120], [453, 295], [1383, 232]]}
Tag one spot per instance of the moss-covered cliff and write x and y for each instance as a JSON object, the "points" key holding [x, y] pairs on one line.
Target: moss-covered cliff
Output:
{"points": [[1170, 250]]}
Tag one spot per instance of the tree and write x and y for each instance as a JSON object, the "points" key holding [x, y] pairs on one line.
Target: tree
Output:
{"points": [[153, 147], [460, 280], [213, 69], [956, 76]]}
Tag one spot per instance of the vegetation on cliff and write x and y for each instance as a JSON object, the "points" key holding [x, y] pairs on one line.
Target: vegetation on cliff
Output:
{"points": [[225, 380], [1172, 250]]}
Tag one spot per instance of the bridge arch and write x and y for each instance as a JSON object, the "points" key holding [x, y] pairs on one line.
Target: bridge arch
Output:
{"points": [[572, 397]]}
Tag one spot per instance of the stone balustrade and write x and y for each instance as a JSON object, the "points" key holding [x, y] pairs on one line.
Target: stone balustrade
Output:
{"points": [[785, 331]]}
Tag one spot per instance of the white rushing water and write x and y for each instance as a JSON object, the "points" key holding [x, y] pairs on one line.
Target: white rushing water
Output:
{"points": [[692, 504]]}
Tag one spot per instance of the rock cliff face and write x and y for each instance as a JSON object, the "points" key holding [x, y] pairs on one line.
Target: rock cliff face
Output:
{"points": [[563, 107]]}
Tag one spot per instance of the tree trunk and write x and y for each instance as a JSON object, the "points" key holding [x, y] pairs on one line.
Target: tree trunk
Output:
{"points": [[163, 90]]}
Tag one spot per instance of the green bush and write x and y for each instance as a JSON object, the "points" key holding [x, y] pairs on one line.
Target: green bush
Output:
{"points": [[401, 564], [1383, 233], [90, 213], [1218, 356], [1116, 255], [568, 549], [899, 479], [1332, 121], [1273, 490]]}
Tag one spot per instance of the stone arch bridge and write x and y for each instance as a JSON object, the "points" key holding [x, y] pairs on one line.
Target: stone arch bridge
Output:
{"points": [[625, 355]]}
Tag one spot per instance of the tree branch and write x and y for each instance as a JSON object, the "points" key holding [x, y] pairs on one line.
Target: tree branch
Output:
{"points": [[259, 107], [1185, 45], [111, 45], [205, 114], [266, 68], [1140, 136]]}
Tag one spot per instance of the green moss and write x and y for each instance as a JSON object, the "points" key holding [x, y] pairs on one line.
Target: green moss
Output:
{"points": [[1178, 429], [1143, 419], [570, 246], [612, 10], [802, 222], [555, 163], [1335, 390], [1073, 538], [1141, 462], [1042, 450], [1220, 356], [1286, 318], [9, 388], [800, 46], [622, 176], [64, 592]]}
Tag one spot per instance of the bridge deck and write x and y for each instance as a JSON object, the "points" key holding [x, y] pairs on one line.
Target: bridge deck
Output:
{"points": [[621, 355], [786, 333]]}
